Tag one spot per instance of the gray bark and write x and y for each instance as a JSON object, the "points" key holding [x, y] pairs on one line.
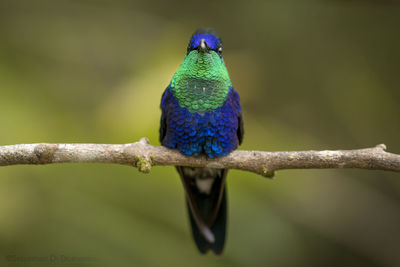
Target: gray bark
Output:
{"points": [[143, 156]]}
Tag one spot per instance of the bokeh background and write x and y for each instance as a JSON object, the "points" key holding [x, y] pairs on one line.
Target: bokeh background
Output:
{"points": [[311, 75]]}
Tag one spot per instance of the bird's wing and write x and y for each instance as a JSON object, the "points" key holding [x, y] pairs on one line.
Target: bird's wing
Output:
{"points": [[240, 130], [163, 121]]}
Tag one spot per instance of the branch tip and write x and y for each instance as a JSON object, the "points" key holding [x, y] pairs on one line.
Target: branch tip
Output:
{"points": [[381, 146], [144, 140]]}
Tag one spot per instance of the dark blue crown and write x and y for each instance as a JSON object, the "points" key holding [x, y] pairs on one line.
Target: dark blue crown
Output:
{"points": [[209, 35]]}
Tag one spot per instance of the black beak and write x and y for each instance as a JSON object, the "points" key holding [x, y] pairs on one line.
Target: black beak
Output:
{"points": [[203, 46]]}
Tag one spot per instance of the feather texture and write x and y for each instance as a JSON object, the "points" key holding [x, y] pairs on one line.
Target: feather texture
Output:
{"points": [[201, 115], [213, 133]]}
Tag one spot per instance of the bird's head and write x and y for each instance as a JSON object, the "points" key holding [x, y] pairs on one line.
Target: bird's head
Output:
{"points": [[202, 81], [205, 40]]}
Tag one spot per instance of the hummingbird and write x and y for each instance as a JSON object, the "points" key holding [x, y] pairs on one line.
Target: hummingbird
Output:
{"points": [[201, 115]]}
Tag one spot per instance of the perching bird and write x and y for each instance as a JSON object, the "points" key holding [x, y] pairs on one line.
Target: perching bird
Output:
{"points": [[201, 115]]}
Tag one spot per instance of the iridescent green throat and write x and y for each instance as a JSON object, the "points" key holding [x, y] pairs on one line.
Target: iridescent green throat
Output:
{"points": [[201, 82]]}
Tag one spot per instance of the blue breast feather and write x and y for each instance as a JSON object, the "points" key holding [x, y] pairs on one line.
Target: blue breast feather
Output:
{"points": [[213, 133]]}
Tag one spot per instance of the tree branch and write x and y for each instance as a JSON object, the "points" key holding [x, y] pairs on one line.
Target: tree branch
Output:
{"points": [[143, 156]]}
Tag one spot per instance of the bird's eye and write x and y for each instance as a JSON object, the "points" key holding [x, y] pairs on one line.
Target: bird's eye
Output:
{"points": [[219, 50]]}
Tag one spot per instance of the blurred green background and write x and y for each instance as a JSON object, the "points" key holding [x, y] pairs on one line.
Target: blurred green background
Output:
{"points": [[311, 75]]}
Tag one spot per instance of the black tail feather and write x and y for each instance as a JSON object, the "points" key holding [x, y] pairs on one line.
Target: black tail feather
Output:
{"points": [[207, 211], [218, 229]]}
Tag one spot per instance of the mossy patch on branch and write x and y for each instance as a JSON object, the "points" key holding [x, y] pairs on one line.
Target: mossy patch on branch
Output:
{"points": [[143, 164], [267, 173]]}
